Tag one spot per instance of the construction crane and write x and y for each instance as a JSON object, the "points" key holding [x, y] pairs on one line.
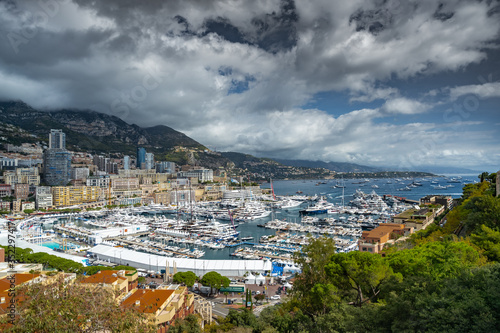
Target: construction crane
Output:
{"points": [[109, 192]]}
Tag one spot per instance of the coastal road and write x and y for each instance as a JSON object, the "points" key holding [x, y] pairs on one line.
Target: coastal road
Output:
{"points": [[220, 310]]}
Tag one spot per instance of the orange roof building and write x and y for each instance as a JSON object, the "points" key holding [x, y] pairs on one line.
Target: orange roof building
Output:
{"points": [[120, 281], [374, 240], [6, 295], [161, 306], [18, 280]]}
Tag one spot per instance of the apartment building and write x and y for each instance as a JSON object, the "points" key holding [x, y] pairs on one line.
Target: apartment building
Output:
{"points": [[74, 195], [43, 197], [374, 240], [161, 306], [121, 281]]}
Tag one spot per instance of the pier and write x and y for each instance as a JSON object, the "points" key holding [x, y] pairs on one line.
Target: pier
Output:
{"points": [[139, 244], [243, 252], [403, 199]]}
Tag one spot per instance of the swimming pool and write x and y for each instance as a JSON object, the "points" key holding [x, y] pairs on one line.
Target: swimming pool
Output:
{"points": [[51, 245], [54, 245]]}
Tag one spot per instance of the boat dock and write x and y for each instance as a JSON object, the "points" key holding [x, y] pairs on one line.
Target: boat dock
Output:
{"points": [[403, 199], [256, 253], [155, 248]]}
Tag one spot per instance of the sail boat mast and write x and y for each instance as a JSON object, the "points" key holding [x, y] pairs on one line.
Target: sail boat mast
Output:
{"points": [[272, 189], [343, 187]]}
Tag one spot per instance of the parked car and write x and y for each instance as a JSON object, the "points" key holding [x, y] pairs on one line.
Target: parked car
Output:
{"points": [[275, 297]]}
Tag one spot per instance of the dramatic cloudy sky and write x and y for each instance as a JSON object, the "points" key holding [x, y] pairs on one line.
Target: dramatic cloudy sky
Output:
{"points": [[382, 82]]}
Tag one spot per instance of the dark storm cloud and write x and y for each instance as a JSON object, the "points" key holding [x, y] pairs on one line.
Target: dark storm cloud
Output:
{"points": [[235, 73], [50, 48]]}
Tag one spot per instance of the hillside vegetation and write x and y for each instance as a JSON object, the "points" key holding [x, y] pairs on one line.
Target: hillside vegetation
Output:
{"points": [[442, 279]]}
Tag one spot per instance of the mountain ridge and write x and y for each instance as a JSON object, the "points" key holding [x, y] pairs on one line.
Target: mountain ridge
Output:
{"points": [[332, 166], [95, 132]]}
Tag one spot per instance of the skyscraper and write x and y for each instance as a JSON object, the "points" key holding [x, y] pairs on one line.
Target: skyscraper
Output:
{"points": [[57, 167], [141, 157], [126, 162], [150, 161], [165, 167], [57, 139], [56, 160]]}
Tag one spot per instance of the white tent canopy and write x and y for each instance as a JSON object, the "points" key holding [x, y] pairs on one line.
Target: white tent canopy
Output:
{"points": [[287, 285], [250, 279], [260, 278], [291, 268], [157, 263]]}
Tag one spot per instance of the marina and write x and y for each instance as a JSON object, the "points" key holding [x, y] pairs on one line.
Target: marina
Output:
{"points": [[265, 227]]}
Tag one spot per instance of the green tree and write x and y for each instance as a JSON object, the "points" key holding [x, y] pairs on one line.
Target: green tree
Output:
{"points": [[73, 307], [260, 297], [215, 280], [484, 209], [488, 240], [188, 278], [187, 325], [466, 303], [483, 176], [286, 318], [361, 272], [436, 260], [241, 318], [313, 286]]}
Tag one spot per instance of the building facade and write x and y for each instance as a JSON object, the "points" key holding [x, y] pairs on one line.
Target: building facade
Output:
{"points": [[165, 167], [5, 190], [57, 139], [22, 176], [374, 240], [57, 167], [74, 195], [141, 157], [126, 162], [98, 181], [80, 173], [43, 197], [21, 191], [150, 161], [203, 175]]}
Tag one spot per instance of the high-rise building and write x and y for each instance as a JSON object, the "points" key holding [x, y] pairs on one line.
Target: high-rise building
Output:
{"points": [[57, 139], [111, 167], [57, 160], [141, 157], [43, 197], [203, 175], [165, 167], [74, 195], [21, 191], [150, 161], [57, 167], [79, 173], [100, 162], [126, 162]]}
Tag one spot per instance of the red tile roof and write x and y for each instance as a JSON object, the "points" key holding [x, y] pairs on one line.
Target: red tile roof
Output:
{"points": [[150, 300]]}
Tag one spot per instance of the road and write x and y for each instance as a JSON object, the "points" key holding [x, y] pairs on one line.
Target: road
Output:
{"points": [[219, 310]]}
